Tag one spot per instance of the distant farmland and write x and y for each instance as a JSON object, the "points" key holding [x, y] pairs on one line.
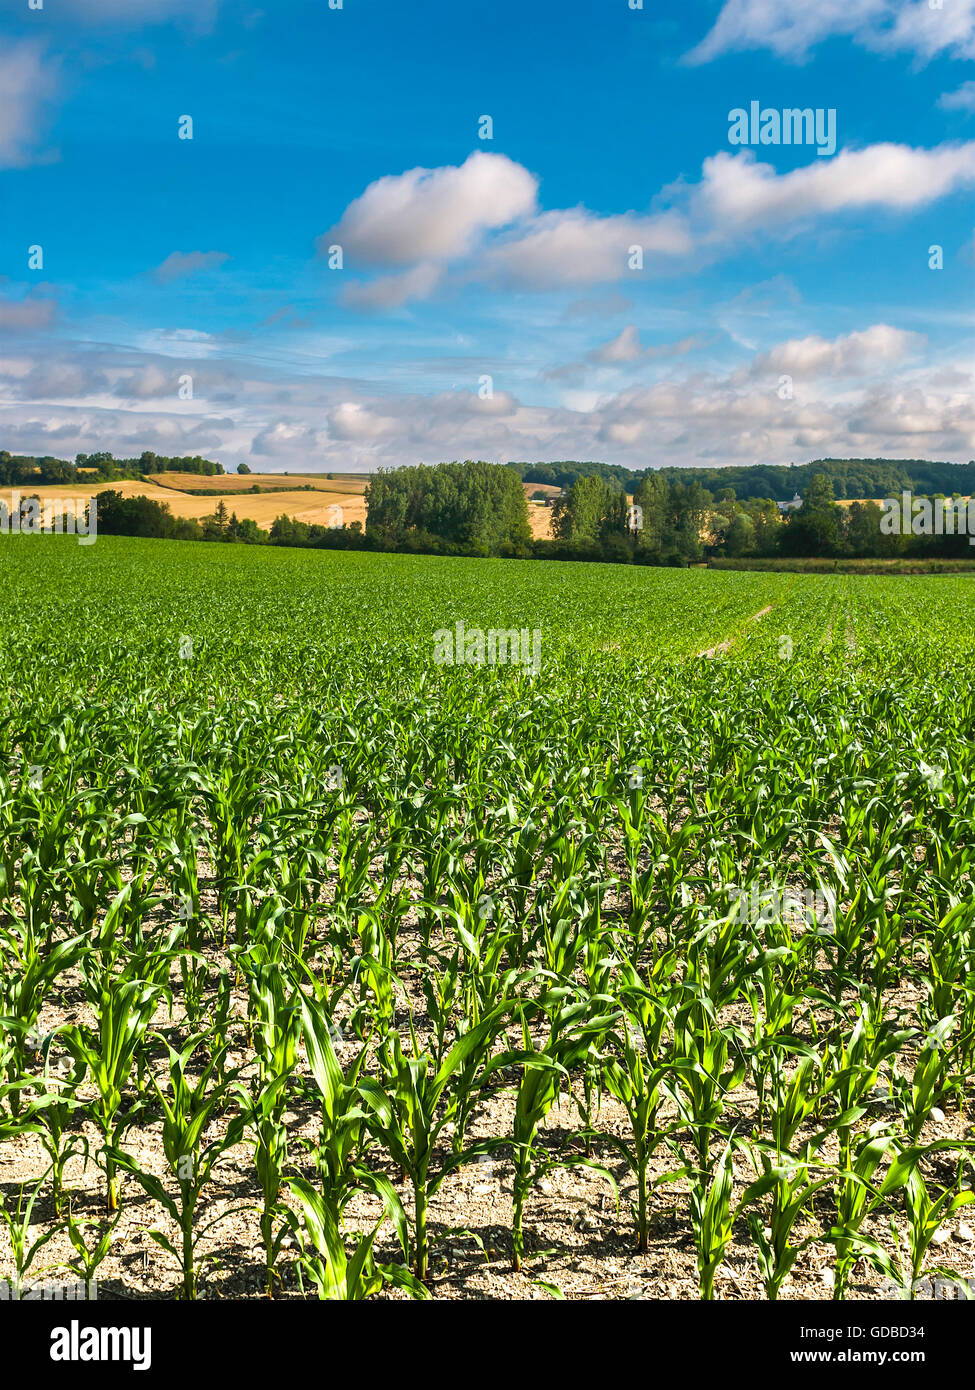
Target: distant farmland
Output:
{"points": [[192, 496], [306, 497]]}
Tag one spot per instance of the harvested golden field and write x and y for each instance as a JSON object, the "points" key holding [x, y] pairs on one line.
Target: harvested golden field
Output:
{"points": [[317, 506], [540, 520], [540, 513], [50, 491], [351, 483]]}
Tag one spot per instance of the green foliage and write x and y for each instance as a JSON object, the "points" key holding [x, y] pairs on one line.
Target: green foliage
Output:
{"points": [[477, 508], [538, 921]]}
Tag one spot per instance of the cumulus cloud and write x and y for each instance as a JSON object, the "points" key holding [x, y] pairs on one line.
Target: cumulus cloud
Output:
{"points": [[478, 223], [576, 247], [61, 381], [152, 382], [866, 393], [433, 214], [180, 264], [28, 81], [851, 354], [792, 28], [287, 442], [735, 189], [930, 30], [353, 421]]}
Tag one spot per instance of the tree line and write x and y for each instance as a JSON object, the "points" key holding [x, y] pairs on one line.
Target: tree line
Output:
{"points": [[680, 523], [851, 478], [480, 509], [18, 470]]}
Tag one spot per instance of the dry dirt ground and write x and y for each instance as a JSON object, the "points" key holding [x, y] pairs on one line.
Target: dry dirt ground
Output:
{"points": [[580, 1239]]}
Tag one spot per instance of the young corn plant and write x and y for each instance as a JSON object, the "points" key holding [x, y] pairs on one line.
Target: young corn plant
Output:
{"points": [[408, 1117], [262, 1111], [336, 1275], [851, 1068], [264, 1104], [18, 1224], [637, 1073], [926, 1214], [784, 1175], [713, 1219], [88, 1259], [343, 1134], [545, 1072], [188, 1108], [124, 1011], [857, 1195], [50, 1116], [917, 1098], [32, 969]]}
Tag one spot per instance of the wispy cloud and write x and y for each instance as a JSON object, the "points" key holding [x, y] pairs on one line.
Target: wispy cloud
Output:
{"points": [[28, 84], [962, 99], [793, 28], [179, 265]]}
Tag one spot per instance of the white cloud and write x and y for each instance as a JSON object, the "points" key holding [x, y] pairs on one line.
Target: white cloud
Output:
{"points": [[792, 28], [28, 81], [853, 354], [963, 99], [285, 442], [148, 383], [928, 31], [576, 247], [432, 214], [626, 347], [789, 27], [354, 421], [737, 190], [478, 224], [867, 393], [392, 291], [623, 348], [61, 381]]}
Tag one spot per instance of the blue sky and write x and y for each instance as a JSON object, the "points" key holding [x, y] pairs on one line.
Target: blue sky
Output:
{"points": [[488, 303]]}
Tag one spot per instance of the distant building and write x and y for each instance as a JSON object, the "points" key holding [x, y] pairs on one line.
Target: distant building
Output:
{"points": [[792, 506]]}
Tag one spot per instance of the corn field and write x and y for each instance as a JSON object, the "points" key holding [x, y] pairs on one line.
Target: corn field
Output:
{"points": [[331, 972]]}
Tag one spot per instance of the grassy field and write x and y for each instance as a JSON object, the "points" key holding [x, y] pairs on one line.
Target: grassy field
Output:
{"points": [[644, 974]]}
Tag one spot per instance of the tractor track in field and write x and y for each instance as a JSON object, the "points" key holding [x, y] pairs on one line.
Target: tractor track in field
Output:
{"points": [[729, 642]]}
